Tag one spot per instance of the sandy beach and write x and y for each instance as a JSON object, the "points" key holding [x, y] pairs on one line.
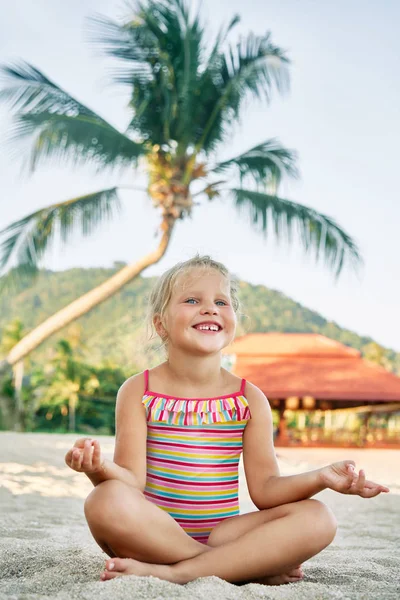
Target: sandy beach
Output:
{"points": [[46, 550]]}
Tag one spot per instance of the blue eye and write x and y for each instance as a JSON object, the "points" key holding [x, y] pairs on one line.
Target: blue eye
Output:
{"points": [[194, 301]]}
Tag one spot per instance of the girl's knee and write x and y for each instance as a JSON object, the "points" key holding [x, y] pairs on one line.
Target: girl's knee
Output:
{"points": [[107, 499], [323, 521]]}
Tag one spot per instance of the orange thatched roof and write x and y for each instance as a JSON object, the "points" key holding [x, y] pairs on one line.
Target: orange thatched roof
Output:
{"points": [[298, 364]]}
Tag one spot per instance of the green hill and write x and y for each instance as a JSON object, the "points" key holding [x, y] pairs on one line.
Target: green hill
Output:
{"points": [[114, 332]]}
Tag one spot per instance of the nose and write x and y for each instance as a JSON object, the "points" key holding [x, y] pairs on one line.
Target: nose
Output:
{"points": [[209, 309]]}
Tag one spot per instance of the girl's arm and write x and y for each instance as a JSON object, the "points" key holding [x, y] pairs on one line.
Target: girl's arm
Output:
{"points": [[340, 477], [129, 464], [282, 490], [110, 470], [85, 457], [267, 488]]}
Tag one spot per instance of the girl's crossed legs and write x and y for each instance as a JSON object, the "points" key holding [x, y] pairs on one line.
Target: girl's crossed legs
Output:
{"points": [[265, 546]]}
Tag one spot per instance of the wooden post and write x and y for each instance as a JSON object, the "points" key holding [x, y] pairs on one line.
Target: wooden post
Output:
{"points": [[18, 370], [282, 438]]}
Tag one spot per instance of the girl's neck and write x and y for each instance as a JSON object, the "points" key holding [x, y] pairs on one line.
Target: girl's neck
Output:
{"points": [[193, 370]]}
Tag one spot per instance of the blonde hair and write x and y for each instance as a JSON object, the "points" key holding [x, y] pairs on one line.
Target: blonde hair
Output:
{"points": [[162, 291]]}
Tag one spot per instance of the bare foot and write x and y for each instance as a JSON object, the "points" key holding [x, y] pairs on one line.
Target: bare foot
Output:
{"points": [[116, 567], [292, 576]]}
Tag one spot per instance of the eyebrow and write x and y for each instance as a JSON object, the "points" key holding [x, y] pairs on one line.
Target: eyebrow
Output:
{"points": [[194, 293]]}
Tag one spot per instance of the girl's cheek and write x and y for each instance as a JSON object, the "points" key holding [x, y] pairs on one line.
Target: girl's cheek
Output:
{"points": [[233, 319]]}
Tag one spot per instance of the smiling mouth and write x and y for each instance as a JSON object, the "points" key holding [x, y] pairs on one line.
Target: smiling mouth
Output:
{"points": [[208, 329]]}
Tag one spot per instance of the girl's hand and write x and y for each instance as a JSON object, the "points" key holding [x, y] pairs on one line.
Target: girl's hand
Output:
{"points": [[342, 477], [85, 456]]}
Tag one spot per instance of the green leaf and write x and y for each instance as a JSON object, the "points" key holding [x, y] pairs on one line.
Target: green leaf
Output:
{"points": [[249, 69], [266, 164], [25, 241], [154, 45], [317, 232], [61, 127]]}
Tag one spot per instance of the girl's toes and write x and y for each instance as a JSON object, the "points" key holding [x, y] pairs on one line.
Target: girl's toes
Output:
{"points": [[293, 579], [116, 565], [106, 575]]}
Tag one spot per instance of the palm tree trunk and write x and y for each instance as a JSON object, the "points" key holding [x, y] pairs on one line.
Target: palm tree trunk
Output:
{"points": [[85, 303]]}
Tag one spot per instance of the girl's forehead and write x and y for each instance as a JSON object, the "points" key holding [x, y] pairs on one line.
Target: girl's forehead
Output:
{"points": [[200, 279]]}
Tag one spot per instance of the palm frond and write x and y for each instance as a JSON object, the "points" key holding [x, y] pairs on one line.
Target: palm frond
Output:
{"points": [[25, 241], [207, 92], [162, 48], [220, 39], [148, 43], [266, 164], [317, 232], [254, 65], [61, 127], [130, 42], [193, 50], [78, 140], [251, 68]]}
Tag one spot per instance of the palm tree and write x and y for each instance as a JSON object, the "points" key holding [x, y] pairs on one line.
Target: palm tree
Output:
{"points": [[186, 97], [64, 379]]}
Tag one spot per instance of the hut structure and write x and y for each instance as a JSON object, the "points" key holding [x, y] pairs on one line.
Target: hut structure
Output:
{"points": [[323, 392]]}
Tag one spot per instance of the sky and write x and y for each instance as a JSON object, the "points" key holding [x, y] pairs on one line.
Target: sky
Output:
{"points": [[341, 116]]}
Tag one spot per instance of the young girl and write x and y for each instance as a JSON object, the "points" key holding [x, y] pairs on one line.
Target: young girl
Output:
{"points": [[167, 505]]}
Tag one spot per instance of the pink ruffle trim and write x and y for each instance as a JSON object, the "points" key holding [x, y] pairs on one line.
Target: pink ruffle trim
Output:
{"points": [[196, 412]]}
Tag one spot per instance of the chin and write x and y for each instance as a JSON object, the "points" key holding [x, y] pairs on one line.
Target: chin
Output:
{"points": [[210, 348], [208, 345]]}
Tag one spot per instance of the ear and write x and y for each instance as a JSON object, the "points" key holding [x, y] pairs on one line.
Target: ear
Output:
{"points": [[159, 327]]}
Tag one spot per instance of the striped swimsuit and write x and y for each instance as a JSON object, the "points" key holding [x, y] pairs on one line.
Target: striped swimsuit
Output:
{"points": [[193, 451]]}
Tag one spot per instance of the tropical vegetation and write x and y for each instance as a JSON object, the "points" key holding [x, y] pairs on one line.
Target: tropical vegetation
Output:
{"points": [[63, 392]]}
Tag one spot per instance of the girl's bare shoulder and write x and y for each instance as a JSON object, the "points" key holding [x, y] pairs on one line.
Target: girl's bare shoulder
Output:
{"points": [[139, 383], [134, 385], [231, 382]]}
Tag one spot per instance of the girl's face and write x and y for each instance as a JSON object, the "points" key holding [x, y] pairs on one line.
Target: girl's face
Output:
{"points": [[199, 317]]}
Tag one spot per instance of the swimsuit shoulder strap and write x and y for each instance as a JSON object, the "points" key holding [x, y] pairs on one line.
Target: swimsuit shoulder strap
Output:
{"points": [[146, 380]]}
